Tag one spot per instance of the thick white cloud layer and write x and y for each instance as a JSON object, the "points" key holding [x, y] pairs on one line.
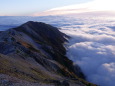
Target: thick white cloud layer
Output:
{"points": [[92, 47]]}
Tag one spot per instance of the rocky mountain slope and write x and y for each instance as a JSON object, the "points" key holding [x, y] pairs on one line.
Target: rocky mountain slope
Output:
{"points": [[34, 54]]}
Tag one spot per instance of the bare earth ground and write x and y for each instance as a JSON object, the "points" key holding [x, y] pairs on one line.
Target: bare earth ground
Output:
{"points": [[6, 80]]}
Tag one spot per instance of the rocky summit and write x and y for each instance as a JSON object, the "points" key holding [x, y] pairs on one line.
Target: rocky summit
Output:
{"points": [[34, 54]]}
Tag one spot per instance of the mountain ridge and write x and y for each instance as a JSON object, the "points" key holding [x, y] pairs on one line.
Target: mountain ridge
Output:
{"points": [[34, 52]]}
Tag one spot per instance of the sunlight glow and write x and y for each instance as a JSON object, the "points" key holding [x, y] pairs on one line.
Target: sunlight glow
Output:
{"points": [[106, 6], [96, 5], [93, 6], [103, 5]]}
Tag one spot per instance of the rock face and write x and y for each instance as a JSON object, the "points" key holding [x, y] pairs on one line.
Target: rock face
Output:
{"points": [[35, 52]]}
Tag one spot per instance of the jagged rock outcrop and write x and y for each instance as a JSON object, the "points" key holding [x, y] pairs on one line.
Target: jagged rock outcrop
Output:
{"points": [[35, 52]]}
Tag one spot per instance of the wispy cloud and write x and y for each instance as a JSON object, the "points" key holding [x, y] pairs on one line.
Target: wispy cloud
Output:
{"points": [[96, 5]]}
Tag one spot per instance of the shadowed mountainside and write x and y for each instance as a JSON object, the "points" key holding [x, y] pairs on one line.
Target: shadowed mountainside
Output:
{"points": [[35, 52]]}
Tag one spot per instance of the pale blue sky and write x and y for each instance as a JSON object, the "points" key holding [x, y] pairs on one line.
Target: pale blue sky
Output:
{"points": [[28, 7]]}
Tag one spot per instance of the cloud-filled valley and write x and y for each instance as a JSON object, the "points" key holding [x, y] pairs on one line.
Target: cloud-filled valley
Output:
{"points": [[92, 43], [92, 46]]}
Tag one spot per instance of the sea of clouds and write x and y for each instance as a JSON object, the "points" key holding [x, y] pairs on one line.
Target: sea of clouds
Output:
{"points": [[92, 47], [92, 43]]}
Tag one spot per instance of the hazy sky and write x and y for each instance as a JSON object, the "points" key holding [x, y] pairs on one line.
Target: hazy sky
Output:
{"points": [[29, 7]]}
